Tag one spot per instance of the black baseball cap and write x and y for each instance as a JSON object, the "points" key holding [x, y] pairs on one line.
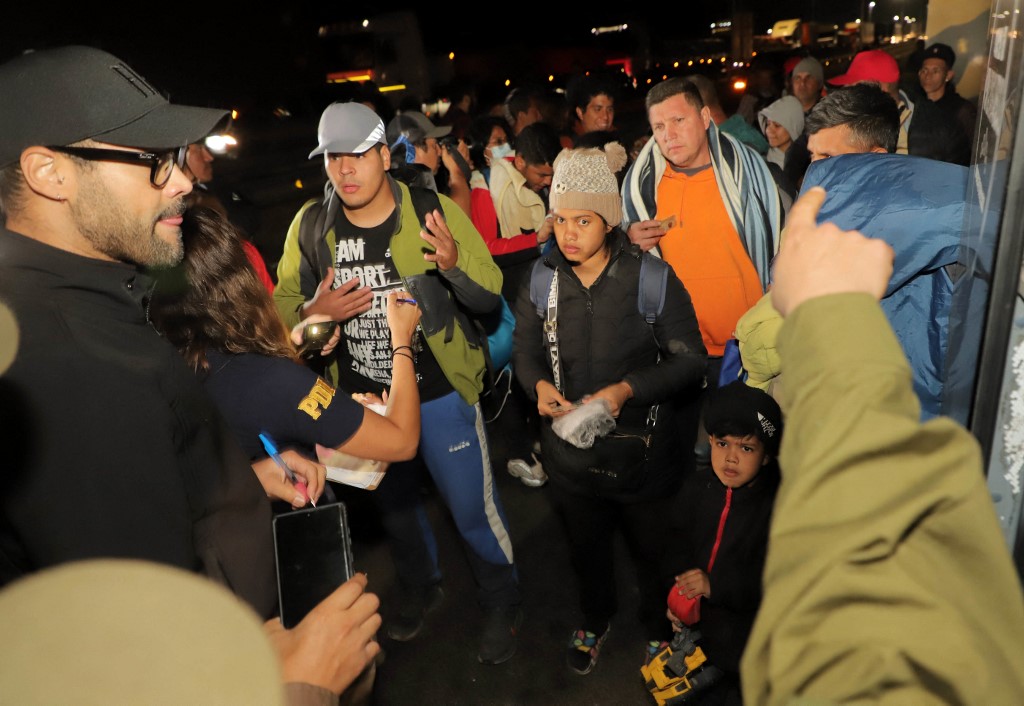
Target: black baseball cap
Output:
{"points": [[64, 95], [941, 51]]}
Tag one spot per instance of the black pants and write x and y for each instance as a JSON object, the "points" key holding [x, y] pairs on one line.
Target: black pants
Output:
{"points": [[590, 524]]}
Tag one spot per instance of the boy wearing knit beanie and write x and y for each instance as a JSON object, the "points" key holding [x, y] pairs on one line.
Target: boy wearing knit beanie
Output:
{"points": [[584, 180], [605, 351]]}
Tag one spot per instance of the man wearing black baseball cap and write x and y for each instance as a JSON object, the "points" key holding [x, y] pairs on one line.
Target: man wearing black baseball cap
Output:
{"points": [[948, 131], [111, 447]]}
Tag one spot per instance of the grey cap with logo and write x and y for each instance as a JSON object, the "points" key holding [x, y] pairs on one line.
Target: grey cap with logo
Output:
{"points": [[348, 128]]}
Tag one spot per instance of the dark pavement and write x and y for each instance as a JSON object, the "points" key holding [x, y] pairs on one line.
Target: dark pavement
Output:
{"points": [[440, 666]]}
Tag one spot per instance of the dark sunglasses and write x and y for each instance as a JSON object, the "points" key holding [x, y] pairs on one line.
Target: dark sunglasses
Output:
{"points": [[161, 164]]}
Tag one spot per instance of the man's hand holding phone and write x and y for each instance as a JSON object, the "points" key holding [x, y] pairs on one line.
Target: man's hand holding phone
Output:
{"points": [[334, 643], [647, 234]]}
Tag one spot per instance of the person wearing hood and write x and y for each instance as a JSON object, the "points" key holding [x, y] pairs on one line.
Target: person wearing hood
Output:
{"points": [[782, 122]]}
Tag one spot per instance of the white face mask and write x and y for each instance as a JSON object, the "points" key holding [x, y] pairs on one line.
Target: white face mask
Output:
{"points": [[501, 151]]}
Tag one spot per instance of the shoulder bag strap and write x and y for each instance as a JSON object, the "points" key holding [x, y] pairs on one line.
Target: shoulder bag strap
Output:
{"points": [[551, 332]]}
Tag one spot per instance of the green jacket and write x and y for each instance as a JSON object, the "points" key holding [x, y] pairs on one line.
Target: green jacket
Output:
{"points": [[888, 580], [474, 283], [756, 334]]}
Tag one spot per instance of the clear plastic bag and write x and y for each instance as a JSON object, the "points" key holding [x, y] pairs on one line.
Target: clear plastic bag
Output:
{"points": [[584, 424]]}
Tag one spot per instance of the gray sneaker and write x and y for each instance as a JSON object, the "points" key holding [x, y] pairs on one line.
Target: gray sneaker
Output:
{"points": [[532, 475]]}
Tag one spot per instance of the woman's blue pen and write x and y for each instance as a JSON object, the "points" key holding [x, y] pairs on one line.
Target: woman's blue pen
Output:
{"points": [[406, 301], [271, 449]]}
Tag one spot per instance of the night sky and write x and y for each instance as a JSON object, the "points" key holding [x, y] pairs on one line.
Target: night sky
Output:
{"points": [[209, 53]]}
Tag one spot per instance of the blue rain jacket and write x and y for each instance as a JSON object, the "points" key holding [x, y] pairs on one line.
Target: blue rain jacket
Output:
{"points": [[917, 206]]}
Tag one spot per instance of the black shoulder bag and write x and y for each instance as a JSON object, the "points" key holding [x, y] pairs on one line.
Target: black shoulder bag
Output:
{"points": [[617, 462]]}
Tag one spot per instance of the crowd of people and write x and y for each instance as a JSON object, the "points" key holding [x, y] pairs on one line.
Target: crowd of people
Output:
{"points": [[660, 281]]}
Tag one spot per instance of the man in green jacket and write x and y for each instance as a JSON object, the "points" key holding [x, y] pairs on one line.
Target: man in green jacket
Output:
{"points": [[342, 257], [887, 579]]}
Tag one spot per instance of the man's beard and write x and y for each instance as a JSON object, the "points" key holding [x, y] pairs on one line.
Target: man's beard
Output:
{"points": [[117, 234]]}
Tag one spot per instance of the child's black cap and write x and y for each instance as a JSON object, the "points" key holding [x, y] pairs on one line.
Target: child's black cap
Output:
{"points": [[739, 408]]}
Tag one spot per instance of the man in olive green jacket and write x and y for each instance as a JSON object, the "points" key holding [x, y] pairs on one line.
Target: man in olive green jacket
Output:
{"points": [[365, 241], [888, 580]]}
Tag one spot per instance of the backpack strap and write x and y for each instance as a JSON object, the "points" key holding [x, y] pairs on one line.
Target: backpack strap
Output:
{"points": [[650, 295], [478, 329], [424, 201], [540, 284], [653, 282], [328, 211], [313, 227]]}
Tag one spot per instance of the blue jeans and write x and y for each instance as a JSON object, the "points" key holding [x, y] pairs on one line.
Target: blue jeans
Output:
{"points": [[453, 447]]}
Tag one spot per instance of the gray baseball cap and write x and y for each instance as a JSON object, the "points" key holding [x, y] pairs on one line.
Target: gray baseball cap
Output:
{"points": [[65, 95], [415, 126], [348, 128]]}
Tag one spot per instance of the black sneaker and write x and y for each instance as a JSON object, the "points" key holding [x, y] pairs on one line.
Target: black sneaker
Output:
{"points": [[584, 647], [500, 634], [414, 608]]}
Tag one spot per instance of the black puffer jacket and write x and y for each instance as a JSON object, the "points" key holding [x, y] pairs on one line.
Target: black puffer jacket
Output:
{"points": [[603, 339]]}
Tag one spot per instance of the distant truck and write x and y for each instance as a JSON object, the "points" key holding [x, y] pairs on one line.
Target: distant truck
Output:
{"points": [[786, 32], [795, 33]]}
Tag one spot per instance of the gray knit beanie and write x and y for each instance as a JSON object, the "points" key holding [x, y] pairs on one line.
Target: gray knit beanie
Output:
{"points": [[810, 65], [585, 179]]}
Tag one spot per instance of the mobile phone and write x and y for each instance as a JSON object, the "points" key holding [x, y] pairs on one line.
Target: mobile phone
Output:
{"points": [[315, 337], [313, 551]]}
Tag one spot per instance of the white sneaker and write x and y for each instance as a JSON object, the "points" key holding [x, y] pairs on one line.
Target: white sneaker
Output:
{"points": [[531, 475]]}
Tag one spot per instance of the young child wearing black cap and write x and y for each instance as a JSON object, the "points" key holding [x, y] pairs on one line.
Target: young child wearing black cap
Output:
{"points": [[719, 534]]}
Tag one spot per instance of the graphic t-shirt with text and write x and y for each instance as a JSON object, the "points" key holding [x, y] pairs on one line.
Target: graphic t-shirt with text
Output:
{"points": [[364, 354]]}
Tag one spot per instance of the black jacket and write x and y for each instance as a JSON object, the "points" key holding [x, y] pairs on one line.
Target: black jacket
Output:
{"points": [[113, 449], [603, 339], [943, 129], [728, 615]]}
